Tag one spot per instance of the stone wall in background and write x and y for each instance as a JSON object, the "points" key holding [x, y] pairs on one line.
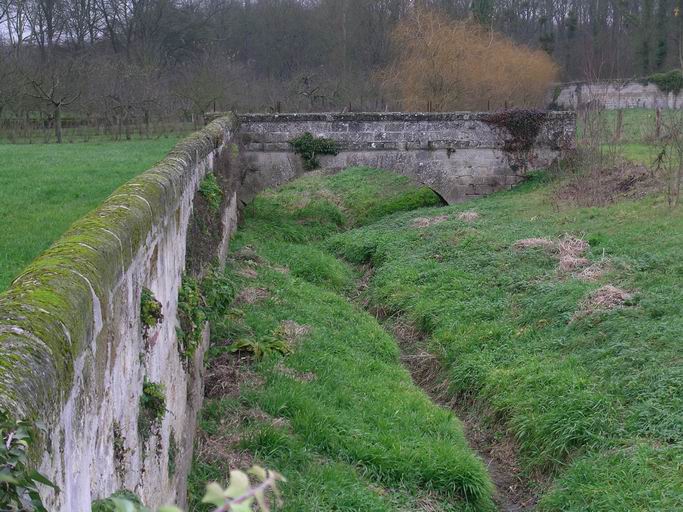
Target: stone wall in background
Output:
{"points": [[459, 155], [615, 95]]}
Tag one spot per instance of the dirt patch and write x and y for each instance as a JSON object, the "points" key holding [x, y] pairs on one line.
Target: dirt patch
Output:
{"points": [[281, 270], [603, 186], [222, 448], [305, 198], [425, 222], [251, 296], [468, 216], [228, 374]]}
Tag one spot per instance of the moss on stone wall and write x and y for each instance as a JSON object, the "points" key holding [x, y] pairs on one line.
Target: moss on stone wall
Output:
{"points": [[46, 316]]}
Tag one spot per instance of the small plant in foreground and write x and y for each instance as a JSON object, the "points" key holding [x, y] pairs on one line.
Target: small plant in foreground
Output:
{"points": [[150, 311], [152, 407], [18, 483], [211, 190], [309, 147], [240, 496]]}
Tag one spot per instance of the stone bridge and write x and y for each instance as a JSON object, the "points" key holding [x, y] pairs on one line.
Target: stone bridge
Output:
{"points": [[458, 155]]}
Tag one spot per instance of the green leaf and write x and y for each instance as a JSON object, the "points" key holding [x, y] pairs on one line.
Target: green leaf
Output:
{"points": [[239, 484], [214, 495]]}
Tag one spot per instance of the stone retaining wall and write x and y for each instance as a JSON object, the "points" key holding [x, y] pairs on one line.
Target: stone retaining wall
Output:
{"points": [[72, 353]]}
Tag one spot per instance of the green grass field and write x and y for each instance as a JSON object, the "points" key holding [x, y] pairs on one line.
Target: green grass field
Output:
{"points": [[46, 187], [594, 401]]}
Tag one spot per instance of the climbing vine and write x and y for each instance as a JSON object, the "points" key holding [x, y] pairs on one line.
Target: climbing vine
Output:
{"points": [[309, 148], [523, 125]]}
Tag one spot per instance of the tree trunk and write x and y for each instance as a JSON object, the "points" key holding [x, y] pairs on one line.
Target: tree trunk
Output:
{"points": [[620, 123], [58, 123]]}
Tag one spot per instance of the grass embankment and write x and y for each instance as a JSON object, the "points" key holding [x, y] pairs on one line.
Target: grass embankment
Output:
{"points": [[44, 188], [593, 397], [339, 416], [597, 397]]}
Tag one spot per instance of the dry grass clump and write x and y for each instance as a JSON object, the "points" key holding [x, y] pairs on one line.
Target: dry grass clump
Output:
{"points": [[603, 185], [295, 375], [468, 216], [251, 295], [247, 272], [529, 243], [248, 254], [603, 299], [593, 272], [425, 222], [570, 251], [608, 297], [293, 332]]}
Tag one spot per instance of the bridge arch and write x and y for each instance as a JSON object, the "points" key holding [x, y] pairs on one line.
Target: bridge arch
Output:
{"points": [[458, 155]]}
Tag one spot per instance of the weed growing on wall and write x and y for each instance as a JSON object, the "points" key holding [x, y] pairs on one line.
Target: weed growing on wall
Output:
{"points": [[211, 191], [309, 148], [152, 408], [18, 483], [150, 311], [191, 315]]}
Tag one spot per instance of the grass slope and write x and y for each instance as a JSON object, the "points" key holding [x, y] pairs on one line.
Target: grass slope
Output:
{"points": [[598, 399], [44, 188], [359, 434]]}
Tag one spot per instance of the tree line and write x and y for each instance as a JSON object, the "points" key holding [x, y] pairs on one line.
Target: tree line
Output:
{"points": [[127, 64]]}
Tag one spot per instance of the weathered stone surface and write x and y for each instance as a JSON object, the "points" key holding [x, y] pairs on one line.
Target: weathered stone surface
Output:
{"points": [[615, 95], [449, 152]]}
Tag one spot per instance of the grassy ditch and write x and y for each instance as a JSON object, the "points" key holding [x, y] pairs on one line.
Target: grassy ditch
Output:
{"points": [[338, 414], [560, 326]]}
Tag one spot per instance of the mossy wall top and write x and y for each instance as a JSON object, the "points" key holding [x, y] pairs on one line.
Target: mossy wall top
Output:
{"points": [[72, 353]]}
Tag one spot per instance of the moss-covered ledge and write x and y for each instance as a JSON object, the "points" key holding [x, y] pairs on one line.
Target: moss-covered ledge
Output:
{"points": [[48, 314]]}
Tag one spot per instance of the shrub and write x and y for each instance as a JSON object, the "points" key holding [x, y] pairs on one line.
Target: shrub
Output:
{"points": [[671, 81], [309, 147], [445, 65]]}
